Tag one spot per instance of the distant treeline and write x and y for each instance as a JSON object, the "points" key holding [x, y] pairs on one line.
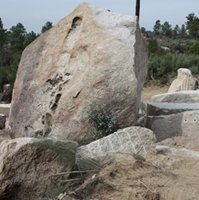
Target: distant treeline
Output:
{"points": [[171, 48], [12, 43]]}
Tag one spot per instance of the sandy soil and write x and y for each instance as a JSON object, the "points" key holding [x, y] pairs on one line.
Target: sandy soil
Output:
{"points": [[152, 90], [128, 179]]}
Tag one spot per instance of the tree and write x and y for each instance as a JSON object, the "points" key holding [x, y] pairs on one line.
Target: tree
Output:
{"points": [[48, 25], [167, 29], [176, 31], [193, 25], [17, 36], [3, 35], [157, 28], [30, 37], [183, 31]]}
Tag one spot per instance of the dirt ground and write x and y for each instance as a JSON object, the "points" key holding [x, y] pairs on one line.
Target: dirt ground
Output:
{"points": [[128, 179], [152, 90]]}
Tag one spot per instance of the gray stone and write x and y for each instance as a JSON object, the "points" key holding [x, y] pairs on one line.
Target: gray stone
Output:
{"points": [[93, 57], [177, 97], [132, 140], [183, 152], [156, 108], [180, 124], [2, 121]]}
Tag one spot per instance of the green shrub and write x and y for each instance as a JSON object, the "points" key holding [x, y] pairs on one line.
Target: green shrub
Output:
{"points": [[152, 46], [194, 48], [102, 121], [167, 65]]}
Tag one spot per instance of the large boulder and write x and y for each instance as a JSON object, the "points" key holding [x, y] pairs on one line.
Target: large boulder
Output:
{"points": [[27, 166], [132, 140], [184, 81], [93, 57]]}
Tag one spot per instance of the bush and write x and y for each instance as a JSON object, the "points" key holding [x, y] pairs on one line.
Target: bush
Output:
{"points": [[194, 48], [102, 121], [152, 46], [167, 65]]}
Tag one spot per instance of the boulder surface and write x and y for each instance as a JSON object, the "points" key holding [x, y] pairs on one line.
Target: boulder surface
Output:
{"points": [[91, 57], [184, 81], [132, 140], [27, 166], [179, 124]]}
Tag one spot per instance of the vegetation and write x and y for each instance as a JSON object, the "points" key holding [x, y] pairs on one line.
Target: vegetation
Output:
{"points": [[102, 121], [172, 48], [12, 43]]}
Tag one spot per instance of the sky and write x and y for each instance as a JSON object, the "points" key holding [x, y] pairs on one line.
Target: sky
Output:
{"points": [[34, 13]]}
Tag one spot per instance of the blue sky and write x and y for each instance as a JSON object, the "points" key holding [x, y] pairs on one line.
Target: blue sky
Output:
{"points": [[34, 13]]}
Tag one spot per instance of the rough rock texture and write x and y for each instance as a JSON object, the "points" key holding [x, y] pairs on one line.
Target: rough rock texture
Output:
{"points": [[181, 124], [132, 140], [2, 121], [92, 57], [27, 164], [177, 97], [184, 81]]}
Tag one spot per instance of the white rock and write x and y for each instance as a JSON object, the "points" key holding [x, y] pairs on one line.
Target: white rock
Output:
{"points": [[184, 81], [92, 57], [132, 140]]}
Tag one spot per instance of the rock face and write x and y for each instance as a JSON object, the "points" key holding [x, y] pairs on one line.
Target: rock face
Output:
{"points": [[132, 140], [27, 164], [92, 57], [184, 81]]}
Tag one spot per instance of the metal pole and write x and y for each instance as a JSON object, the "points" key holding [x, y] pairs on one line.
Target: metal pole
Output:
{"points": [[137, 12]]}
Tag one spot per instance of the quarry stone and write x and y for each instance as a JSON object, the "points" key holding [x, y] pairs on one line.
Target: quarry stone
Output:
{"points": [[181, 124], [184, 81], [132, 140], [91, 57], [27, 166], [157, 109], [177, 97]]}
